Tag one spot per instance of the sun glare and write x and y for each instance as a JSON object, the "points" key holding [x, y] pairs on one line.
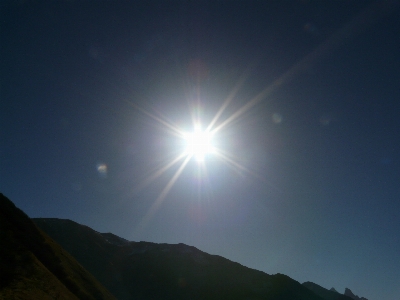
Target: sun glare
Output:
{"points": [[198, 144]]}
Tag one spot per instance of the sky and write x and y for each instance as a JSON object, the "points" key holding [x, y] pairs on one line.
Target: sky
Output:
{"points": [[302, 99]]}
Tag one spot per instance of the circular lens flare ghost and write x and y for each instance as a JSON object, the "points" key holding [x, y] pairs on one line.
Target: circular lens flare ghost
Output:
{"points": [[198, 144]]}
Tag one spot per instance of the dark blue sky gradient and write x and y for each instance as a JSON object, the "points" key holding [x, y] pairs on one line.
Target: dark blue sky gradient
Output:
{"points": [[318, 197]]}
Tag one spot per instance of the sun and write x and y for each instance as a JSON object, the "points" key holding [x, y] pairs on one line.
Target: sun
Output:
{"points": [[198, 143]]}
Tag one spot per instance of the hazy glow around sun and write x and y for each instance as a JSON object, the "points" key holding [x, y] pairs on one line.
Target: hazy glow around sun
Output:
{"points": [[198, 143]]}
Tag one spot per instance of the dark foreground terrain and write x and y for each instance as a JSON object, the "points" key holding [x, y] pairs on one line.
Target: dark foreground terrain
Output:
{"points": [[33, 266], [60, 259], [142, 270]]}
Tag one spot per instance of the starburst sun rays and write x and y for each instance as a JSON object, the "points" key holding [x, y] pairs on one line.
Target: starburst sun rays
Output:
{"points": [[198, 144]]}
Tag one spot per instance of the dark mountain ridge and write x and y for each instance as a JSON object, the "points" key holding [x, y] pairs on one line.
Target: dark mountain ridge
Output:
{"points": [[324, 293], [350, 294], [33, 266], [39, 260], [144, 270]]}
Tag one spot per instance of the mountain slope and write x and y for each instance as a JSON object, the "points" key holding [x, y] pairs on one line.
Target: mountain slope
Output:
{"points": [[100, 257], [33, 266], [324, 293], [350, 294], [143, 270]]}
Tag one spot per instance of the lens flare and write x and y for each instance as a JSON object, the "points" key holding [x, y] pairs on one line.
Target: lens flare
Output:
{"points": [[199, 143]]}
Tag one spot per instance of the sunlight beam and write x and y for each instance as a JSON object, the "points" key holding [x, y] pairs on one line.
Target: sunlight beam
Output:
{"points": [[355, 25], [175, 130], [159, 172], [155, 206], [228, 99], [238, 167]]}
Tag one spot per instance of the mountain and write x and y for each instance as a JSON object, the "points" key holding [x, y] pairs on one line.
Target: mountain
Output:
{"points": [[33, 266], [99, 254], [324, 293], [144, 270], [349, 293]]}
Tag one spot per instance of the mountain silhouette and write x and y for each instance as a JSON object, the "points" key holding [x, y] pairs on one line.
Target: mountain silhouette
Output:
{"points": [[48, 258], [349, 293], [33, 266], [325, 293], [144, 270]]}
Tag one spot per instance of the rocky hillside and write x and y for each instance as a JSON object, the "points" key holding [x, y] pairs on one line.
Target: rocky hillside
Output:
{"points": [[33, 266], [143, 270]]}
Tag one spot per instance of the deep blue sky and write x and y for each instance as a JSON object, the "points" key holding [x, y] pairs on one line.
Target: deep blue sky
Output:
{"points": [[318, 193]]}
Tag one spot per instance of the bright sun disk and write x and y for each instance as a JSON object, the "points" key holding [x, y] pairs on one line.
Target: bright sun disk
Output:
{"points": [[198, 144]]}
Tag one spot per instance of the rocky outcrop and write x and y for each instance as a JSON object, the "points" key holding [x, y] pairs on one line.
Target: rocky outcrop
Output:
{"points": [[349, 293], [325, 293]]}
